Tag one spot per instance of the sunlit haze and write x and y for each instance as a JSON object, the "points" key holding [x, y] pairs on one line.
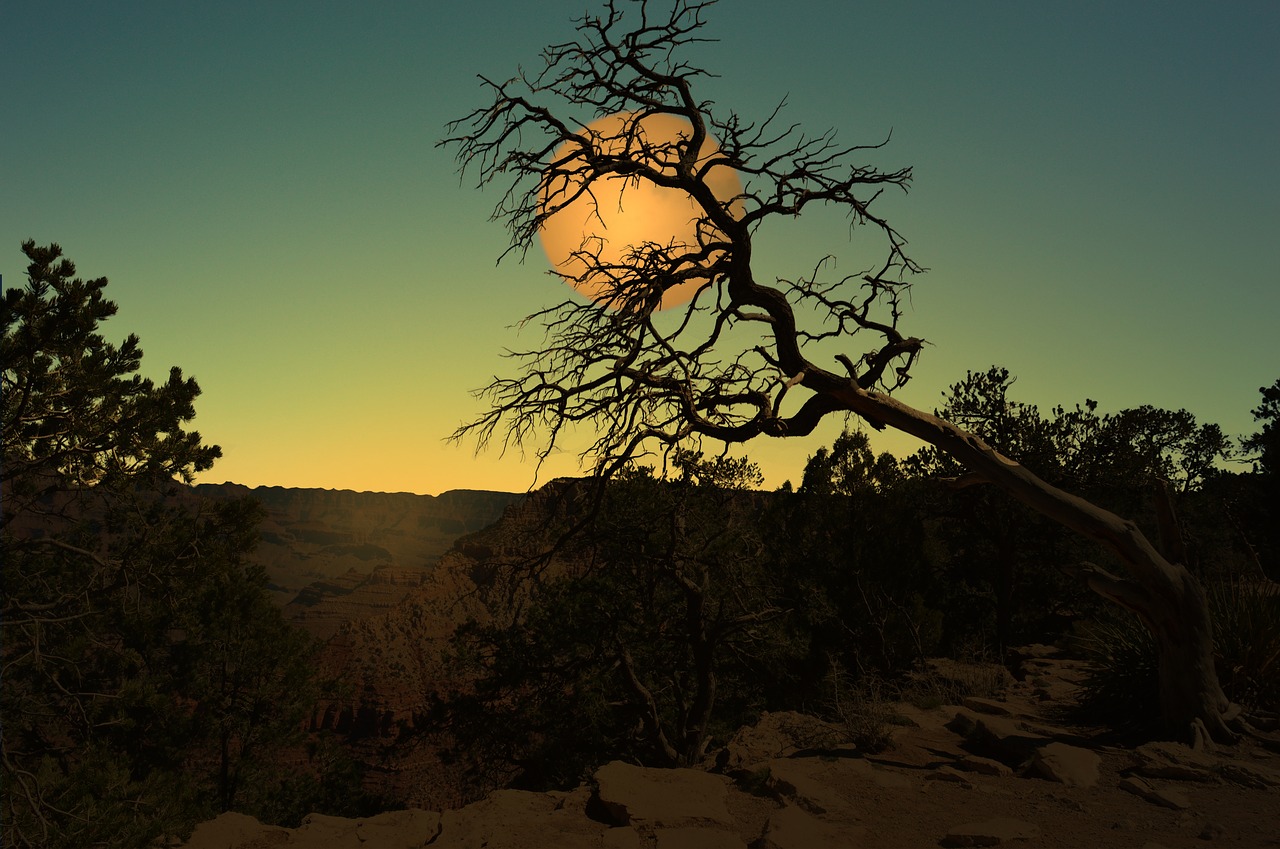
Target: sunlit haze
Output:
{"points": [[622, 214], [1096, 195]]}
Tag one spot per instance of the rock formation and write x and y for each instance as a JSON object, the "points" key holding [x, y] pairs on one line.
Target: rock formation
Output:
{"points": [[786, 794], [335, 556]]}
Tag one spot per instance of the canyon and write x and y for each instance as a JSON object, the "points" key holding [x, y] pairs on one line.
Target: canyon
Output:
{"points": [[381, 580], [338, 556]]}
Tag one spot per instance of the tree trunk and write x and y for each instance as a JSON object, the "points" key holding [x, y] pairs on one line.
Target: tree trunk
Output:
{"points": [[650, 715], [1163, 594], [1190, 695], [702, 645], [695, 734]]}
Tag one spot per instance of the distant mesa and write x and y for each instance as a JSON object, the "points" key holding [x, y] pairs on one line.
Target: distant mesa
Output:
{"points": [[334, 556]]}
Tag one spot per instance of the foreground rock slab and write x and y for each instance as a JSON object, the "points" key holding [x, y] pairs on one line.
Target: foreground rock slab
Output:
{"points": [[232, 831], [408, 829], [794, 785], [392, 830], [519, 819], [794, 828], [1173, 761], [830, 786], [1155, 795], [993, 832], [662, 798]]}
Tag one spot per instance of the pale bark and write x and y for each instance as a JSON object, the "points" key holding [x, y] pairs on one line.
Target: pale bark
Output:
{"points": [[650, 715], [1164, 594], [609, 365]]}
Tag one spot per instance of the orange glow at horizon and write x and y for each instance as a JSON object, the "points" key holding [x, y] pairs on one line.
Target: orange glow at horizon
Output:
{"points": [[627, 213]]}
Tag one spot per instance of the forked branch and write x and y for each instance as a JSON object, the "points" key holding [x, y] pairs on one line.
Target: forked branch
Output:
{"points": [[724, 366]]}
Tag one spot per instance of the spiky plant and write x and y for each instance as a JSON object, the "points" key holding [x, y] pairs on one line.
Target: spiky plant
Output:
{"points": [[1120, 687], [1247, 641]]}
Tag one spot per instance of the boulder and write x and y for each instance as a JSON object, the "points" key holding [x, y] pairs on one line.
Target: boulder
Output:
{"points": [[231, 831], [662, 798], [1002, 738], [865, 770], [776, 735], [1070, 765]]}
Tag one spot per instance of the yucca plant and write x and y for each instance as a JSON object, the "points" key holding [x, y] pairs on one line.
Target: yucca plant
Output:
{"points": [[1120, 689], [1121, 686], [1247, 641]]}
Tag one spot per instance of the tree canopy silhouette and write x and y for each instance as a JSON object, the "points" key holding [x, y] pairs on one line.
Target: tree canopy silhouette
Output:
{"points": [[145, 668]]}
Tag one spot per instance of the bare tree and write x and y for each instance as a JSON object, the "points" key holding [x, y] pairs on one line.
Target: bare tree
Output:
{"points": [[738, 361]]}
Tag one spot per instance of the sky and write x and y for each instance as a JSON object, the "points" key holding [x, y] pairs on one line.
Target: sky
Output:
{"points": [[1096, 195]]}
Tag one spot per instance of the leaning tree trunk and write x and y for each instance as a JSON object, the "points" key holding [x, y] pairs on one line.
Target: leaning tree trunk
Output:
{"points": [[1160, 590]]}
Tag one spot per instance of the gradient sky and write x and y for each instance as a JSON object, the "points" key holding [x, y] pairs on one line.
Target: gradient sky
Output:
{"points": [[1097, 196]]}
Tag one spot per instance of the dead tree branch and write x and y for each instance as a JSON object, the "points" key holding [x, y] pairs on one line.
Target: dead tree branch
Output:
{"points": [[740, 360]]}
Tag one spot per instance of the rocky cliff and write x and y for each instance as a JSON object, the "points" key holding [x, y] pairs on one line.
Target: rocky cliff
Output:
{"points": [[335, 556], [391, 663]]}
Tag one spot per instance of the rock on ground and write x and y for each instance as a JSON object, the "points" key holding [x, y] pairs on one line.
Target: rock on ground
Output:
{"points": [[993, 832], [812, 782], [794, 828], [408, 829], [519, 819], [1155, 795], [1173, 760], [232, 831], [983, 766], [662, 798], [1070, 765], [1004, 739], [776, 735]]}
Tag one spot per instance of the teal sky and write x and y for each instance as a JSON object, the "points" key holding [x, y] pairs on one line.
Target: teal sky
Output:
{"points": [[1097, 196]]}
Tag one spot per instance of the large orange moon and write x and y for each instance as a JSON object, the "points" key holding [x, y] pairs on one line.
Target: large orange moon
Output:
{"points": [[627, 213]]}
